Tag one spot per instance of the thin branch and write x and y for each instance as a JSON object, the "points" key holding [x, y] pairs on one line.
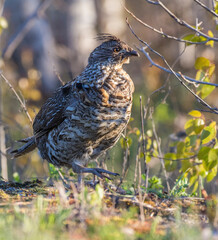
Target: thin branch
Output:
{"points": [[2, 3], [170, 159], [125, 159], [142, 214], [17, 38], [181, 22], [161, 155], [59, 77], [143, 142], [181, 80], [161, 31], [200, 100], [207, 8], [18, 97], [137, 161], [213, 6], [188, 79]]}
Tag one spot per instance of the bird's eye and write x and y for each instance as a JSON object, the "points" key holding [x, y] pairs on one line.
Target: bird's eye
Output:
{"points": [[117, 49]]}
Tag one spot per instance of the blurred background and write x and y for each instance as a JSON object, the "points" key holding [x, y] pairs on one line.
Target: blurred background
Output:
{"points": [[58, 38]]}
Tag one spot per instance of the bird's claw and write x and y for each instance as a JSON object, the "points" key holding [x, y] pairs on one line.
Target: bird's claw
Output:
{"points": [[99, 172]]}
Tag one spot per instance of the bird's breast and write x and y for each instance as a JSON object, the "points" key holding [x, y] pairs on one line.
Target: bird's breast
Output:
{"points": [[117, 89]]}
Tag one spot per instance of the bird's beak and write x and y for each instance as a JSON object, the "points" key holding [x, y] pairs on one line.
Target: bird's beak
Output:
{"points": [[132, 53]]}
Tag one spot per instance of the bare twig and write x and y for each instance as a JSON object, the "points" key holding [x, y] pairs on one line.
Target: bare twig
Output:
{"points": [[207, 8], [18, 97], [143, 142], [2, 3], [161, 31], [142, 215], [23, 30], [137, 161], [161, 155], [4, 163], [178, 76], [170, 159], [200, 100], [186, 78], [182, 22], [59, 77], [125, 160], [213, 6]]}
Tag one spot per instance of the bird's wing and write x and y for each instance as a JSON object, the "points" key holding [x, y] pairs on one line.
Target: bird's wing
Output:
{"points": [[52, 112]]}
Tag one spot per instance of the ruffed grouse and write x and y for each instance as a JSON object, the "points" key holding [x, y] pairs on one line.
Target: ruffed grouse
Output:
{"points": [[86, 116]]}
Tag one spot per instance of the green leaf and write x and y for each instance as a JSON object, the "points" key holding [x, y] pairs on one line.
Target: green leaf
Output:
{"points": [[186, 165], [16, 177], [216, 8], [169, 164], [210, 43], [124, 142], [212, 174], [201, 63], [203, 153], [148, 158], [208, 133], [193, 38], [211, 70], [180, 148], [191, 140], [149, 133], [148, 144], [193, 179], [195, 186], [212, 158], [137, 132], [155, 145], [200, 75], [202, 170], [195, 113], [206, 90], [194, 125]]}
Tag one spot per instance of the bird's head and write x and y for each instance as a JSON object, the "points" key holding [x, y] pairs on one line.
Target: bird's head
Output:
{"points": [[112, 51]]}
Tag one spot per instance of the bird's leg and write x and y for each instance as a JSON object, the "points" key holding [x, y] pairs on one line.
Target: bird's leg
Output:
{"points": [[80, 178], [95, 171], [80, 181]]}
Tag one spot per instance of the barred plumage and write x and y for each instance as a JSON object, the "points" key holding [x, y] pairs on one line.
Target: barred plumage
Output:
{"points": [[86, 116]]}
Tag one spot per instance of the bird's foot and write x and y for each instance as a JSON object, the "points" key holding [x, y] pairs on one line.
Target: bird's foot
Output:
{"points": [[99, 172]]}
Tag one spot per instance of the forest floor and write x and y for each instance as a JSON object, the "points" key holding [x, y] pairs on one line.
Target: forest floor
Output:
{"points": [[35, 210]]}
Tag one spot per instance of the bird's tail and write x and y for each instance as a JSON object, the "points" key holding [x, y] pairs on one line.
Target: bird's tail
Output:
{"points": [[30, 144]]}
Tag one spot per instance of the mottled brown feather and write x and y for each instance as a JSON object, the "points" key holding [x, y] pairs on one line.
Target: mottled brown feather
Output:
{"points": [[86, 117]]}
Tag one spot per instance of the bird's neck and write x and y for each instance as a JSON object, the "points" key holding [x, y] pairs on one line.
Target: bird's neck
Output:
{"points": [[96, 74]]}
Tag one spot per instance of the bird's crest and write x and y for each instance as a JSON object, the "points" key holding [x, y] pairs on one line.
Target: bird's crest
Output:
{"points": [[107, 37]]}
